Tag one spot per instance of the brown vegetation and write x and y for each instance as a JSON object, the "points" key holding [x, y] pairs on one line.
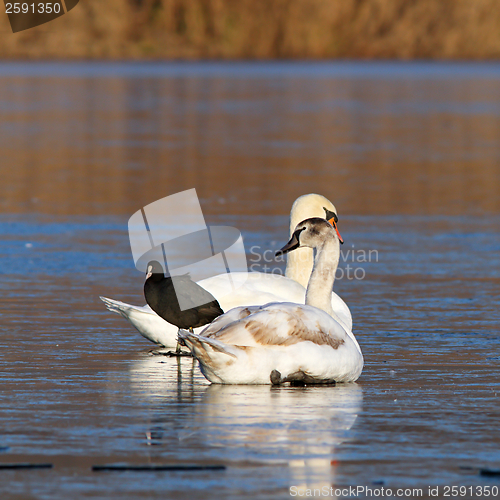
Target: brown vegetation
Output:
{"points": [[260, 29]]}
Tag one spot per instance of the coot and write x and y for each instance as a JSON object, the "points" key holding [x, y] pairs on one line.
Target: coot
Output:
{"points": [[161, 295]]}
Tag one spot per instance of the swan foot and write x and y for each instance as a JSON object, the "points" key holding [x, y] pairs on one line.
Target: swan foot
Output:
{"points": [[164, 352], [298, 379], [275, 377], [178, 354]]}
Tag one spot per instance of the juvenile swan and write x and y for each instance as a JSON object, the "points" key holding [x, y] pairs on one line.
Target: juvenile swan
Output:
{"points": [[284, 342], [259, 288]]}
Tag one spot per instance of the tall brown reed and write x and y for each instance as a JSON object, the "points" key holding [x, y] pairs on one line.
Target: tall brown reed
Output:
{"points": [[263, 29]]}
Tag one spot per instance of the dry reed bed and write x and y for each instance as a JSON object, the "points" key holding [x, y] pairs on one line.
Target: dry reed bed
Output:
{"points": [[262, 29]]}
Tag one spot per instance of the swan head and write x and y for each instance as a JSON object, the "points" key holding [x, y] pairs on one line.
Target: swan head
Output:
{"points": [[155, 269], [311, 233], [311, 205], [299, 264]]}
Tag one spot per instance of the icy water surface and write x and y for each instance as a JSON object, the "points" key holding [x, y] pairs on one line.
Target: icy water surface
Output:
{"points": [[409, 156]]}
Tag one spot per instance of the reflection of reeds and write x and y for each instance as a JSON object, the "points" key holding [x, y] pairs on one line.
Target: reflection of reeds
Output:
{"points": [[251, 146], [265, 29]]}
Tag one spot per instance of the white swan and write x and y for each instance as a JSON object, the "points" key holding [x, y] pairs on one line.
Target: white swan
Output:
{"points": [[259, 288], [284, 342]]}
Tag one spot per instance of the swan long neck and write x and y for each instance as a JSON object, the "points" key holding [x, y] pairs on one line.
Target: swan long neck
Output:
{"points": [[319, 289], [300, 262], [299, 265]]}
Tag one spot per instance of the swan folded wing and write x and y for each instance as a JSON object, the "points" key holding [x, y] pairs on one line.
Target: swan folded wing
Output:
{"points": [[235, 314], [261, 288], [258, 289], [279, 324]]}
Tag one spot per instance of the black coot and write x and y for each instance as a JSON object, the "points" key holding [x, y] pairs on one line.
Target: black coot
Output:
{"points": [[162, 298]]}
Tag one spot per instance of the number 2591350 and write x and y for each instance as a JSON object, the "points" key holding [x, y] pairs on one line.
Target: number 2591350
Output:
{"points": [[38, 8]]}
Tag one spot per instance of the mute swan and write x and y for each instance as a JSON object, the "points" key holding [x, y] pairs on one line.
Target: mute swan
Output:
{"points": [[284, 342], [259, 288], [162, 295]]}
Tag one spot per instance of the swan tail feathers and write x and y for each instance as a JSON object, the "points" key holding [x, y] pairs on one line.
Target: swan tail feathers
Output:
{"points": [[202, 345], [114, 305], [123, 309]]}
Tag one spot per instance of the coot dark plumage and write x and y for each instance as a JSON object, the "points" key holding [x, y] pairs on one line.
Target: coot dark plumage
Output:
{"points": [[162, 297]]}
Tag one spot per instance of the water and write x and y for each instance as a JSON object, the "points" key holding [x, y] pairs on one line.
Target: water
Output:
{"points": [[409, 155]]}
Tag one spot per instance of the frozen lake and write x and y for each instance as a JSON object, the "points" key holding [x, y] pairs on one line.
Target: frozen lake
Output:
{"points": [[409, 154]]}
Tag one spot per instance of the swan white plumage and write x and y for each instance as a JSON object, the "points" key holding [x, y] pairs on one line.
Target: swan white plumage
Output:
{"points": [[284, 342], [259, 288]]}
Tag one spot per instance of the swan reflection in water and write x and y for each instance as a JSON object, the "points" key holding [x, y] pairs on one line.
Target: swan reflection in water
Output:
{"points": [[300, 427]]}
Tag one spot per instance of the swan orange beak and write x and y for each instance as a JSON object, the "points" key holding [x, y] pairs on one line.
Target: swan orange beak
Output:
{"points": [[334, 224]]}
